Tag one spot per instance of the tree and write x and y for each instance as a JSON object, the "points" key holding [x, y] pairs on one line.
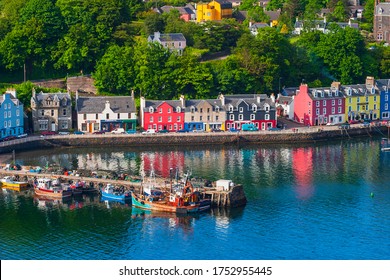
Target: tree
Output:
{"points": [[114, 72], [340, 11]]}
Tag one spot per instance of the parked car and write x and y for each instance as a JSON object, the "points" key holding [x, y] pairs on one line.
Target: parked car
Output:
{"points": [[365, 124], [9, 138], [63, 133], [24, 135], [249, 127], [78, 132], [163, 131], [118, 130], [45, 133], [345, 126], [149, 131], [274, 129], [131, 131], [183, 130], [353, 122], [99, 132], [232, 129], [216, 130]]}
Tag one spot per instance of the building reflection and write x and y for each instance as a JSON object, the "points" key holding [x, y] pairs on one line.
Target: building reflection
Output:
{"points": [[302, 166]]}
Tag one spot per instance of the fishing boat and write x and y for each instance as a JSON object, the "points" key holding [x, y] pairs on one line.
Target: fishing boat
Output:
{"points": [[179, 200], [46, 187], [113, 193], [9, 183], [77, 188]]}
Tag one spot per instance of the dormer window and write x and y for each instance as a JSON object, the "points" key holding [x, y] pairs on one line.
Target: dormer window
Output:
{"points": [[266, 108], [178, 109], [216, 109], [254, 108], [231, 109], [336, 93], [372, 90], [151, 110], [241, 109], [192, 109], [349, 91], [322, 94]]}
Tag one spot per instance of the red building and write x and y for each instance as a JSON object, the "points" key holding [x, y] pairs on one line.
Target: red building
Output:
{"points": [[162, 115], [319, 105]]}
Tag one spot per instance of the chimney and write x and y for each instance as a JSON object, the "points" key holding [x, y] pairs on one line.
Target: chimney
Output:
{"points": [[11, 91], [273, 97], [335, 85], [183, 101], [370, 81], [157, 35], [33, 93], [132, 94], [303, 88], [107, 105], [250, 24], [222, 98]]}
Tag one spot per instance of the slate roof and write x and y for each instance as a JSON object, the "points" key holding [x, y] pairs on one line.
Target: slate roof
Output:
{"points": [[224, 4], [328, 93], [250, 99], [285, 99], [382, 9], [157, 103], [39, 97], [383, 84], [168, 37], [356, 90], [118, 104], [194, 103]]}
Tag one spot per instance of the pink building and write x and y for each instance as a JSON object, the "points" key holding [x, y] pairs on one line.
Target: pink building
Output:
{"points": [[319, 105]]}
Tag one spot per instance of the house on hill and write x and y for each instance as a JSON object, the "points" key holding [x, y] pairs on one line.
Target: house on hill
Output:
{"points": [[172, 41], [11, 114], [215, 10]]}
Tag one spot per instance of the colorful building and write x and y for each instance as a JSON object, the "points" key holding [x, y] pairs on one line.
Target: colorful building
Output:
{"points": [[172, 41], [11, 115], [258, 110], [383, 86], [51, 111], [319, 106], [204, 115], [215, 10], [162, 114], [105, 113], [362, 101]]}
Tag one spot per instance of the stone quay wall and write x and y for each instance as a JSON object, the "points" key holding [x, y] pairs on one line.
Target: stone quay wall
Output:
{"points": [[301, 135]]}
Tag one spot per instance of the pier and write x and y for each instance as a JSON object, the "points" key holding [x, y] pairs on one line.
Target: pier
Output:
{"points": [[234, 197]]}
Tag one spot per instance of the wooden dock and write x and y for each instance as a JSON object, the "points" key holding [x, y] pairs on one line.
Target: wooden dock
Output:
{"points": [[235, 197]]}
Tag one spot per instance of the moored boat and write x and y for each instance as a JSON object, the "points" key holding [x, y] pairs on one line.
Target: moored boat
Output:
{"points": [[46, 187], [111, 192], [9, 183]]}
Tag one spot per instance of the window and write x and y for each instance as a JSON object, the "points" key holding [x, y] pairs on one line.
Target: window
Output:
{"points": [[5, 124], [64, 125], [386, 97], [374, 98], [266, 108], [254, 108], [107, 116], [201, 118], [379, 36], [241, 109], [358, 99], [5, 114], [9, 123], [339, 110], [178, 109], [201, 110], [17, 122], [231, 117], [160, 110], [64, 112], [217, 109], [318, 103], [192, 118], [385, 115], [216, 118], [208, 110], [160, 119], [340, 101], [85, 116], [324, 103], [231, 108], [386, 106], [252, 117], [366, 98], [151, 119], [240, 117], [323, 111], [151, 110], [333, 102], [192, 110], [266, 117], [350, 100], [178, 119], [374, 106], [169, 119], [97, 116], [52, 113], [118, 116], [333, 110], [349, 109], [17, 113], [317, 112], [169, 110], [42, 113], [208, 118]]}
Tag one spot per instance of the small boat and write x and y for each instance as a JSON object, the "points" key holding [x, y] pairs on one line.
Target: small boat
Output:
{"points": [[111, 192], [183, 201], [77, 188], [46, 187], [9, 183]]}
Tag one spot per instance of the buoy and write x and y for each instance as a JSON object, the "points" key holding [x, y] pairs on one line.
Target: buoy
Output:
{"points": [[372, 194]]}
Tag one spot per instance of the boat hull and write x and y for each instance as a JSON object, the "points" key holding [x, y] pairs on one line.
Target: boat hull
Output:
{"points": [[16, 186], [163, 206], [116, 197], [52, 193]]}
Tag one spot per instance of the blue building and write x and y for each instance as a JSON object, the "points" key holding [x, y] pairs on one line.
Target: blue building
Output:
{"points": [[383, 87], [11, 115]]}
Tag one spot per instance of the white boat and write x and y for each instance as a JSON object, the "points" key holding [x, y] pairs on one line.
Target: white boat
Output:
{"points": [[46, 187]]}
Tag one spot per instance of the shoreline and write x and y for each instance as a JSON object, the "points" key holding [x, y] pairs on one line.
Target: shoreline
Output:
{"points": [[300, 135]]}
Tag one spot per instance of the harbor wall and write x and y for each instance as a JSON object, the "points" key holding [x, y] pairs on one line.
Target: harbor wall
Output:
{"points": [[191, 139]]}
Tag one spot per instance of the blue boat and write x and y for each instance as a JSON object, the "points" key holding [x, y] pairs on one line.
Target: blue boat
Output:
{"points": [[111, 192]]}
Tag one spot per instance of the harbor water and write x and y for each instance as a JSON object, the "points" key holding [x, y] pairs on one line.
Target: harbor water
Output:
{"points": [[314, 201]]}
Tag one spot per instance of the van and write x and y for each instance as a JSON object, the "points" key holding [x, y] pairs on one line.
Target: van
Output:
{"points": [[118, 130], [248, 127], [149, 131]]}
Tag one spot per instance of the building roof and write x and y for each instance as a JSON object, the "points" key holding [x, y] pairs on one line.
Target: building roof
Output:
{"points": [[382, 9], [59, 96], [157, 103], [382, 84], [167, 37], [118, 104], [224, 4]]}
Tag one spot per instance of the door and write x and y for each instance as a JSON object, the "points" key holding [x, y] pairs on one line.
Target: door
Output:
{"points": [[53, 126]]}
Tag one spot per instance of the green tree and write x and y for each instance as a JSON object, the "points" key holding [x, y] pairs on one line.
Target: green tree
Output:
{"points": [[340, 12], [114, 72]]}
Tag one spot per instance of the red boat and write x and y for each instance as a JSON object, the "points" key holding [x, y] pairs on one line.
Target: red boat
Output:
{"points": [[46, 187]]}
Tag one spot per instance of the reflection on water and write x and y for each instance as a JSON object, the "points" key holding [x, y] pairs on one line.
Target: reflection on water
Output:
{"points": [[304, 202]]}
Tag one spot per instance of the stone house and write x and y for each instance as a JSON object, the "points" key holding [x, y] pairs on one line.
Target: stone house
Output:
{"points": [[51, 111], [382, 21]]}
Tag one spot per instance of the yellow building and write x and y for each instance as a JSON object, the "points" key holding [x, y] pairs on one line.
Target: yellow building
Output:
{"points": [[362, 101], [215, 10]]}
